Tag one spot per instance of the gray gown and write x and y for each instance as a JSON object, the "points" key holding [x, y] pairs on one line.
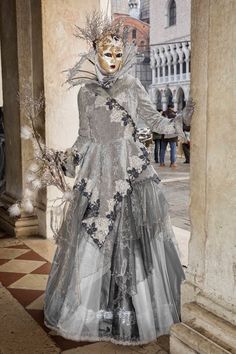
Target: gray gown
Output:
{"points": [[116, 273]]}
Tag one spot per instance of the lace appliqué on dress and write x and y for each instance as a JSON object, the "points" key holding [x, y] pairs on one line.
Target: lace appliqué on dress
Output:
{"points": [[99, 226]]}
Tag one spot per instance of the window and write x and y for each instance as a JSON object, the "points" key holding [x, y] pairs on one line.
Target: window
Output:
{"points": [[133, 33], [172, 13]]}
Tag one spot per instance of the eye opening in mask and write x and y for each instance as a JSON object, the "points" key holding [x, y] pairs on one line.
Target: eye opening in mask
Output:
{"points": [[108, 55], [119, 55]]}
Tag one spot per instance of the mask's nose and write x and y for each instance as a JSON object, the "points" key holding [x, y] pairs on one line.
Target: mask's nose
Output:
{"points": [[113, 59]]}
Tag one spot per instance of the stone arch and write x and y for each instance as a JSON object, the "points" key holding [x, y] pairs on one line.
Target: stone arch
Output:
{"points": [[172, 13], [168, 6], [169, 97], [180, 99], [158, 100]]}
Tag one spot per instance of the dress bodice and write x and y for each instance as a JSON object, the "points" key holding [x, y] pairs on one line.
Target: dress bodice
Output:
{"points": [[110, 156], [101, 123]]}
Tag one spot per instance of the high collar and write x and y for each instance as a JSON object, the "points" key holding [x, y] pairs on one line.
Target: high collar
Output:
{"points": [[78, 76]]}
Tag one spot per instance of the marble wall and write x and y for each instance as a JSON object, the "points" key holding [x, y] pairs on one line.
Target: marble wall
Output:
{"points": [[43, 45], [209, 292], [213, 175], [1, 99]]}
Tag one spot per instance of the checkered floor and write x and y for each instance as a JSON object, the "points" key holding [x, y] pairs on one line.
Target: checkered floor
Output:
{"points": [[24, 273]]}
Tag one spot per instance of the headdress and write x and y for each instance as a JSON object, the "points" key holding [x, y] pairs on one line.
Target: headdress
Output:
{"points": [[97, 27]]}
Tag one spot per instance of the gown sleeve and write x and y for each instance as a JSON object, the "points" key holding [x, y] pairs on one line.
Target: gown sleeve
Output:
{"points": [[153, 119], [72, 157]]}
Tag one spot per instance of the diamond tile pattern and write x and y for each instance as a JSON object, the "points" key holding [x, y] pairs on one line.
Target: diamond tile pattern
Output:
{"points": [[31, 281], [24, 273], [37, 304], [20, 266], [11, 253], [31, 256]]}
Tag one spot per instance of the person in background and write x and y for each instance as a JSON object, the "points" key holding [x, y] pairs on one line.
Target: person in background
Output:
{"points": [[157, 150], [170, 139], [186, 143]]}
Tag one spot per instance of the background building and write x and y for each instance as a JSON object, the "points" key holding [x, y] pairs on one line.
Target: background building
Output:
{"points": [[145, 11], [120, 6], [42, 46], [136, 16], [170, 52]]}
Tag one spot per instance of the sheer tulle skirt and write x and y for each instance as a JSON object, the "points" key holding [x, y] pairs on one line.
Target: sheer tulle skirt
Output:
{"points": [[127, 291]]}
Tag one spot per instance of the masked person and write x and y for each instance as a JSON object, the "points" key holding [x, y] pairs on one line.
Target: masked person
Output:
{"points": [[116, 273]]}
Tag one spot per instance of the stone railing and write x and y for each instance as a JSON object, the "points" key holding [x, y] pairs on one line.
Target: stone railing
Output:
{"points": [[170, 62]]}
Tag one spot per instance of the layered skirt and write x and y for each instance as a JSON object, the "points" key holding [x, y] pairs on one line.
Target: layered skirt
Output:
{"points": [[128, 290]]}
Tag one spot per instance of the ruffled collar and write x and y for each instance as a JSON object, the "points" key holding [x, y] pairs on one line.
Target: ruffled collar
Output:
{"points": [[87, 69]]}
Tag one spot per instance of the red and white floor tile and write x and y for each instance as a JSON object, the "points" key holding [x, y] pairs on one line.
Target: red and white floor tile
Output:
{"points": [[24, 273], [24, 268]]}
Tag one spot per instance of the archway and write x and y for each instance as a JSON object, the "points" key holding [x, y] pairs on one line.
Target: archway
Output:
{"points": [[158, 100], [168, 98], [180, 99]]}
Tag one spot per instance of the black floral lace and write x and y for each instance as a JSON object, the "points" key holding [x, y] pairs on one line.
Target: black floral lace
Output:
{"points": [[139, 164], [125, 117]]}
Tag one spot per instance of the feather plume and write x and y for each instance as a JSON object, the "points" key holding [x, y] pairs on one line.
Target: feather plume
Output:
{"points": [[36, 184], [28, 193], [29, 177], [34, 167], [14, 210], [27, 205], [26, 132]]}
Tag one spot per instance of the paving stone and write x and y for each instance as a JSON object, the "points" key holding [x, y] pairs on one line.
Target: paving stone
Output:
{"points": [[19, 332], [110, 348]]}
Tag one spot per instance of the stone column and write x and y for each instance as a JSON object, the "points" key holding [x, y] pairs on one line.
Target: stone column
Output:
{"points": [[37, 45], [153, 67], [164, 101], [20, 31], [61, 51], [1, 102], [209, 292]]}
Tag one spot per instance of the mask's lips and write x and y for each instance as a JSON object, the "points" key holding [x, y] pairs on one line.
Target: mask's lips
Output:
{"points": [[112, 66]]}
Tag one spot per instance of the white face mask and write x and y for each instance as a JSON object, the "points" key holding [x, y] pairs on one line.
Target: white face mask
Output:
{"points": [[110, 52]]}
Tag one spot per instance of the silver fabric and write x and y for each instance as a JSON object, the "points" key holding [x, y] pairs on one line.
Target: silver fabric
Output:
{"points": [[116, 273], [111, 157]]}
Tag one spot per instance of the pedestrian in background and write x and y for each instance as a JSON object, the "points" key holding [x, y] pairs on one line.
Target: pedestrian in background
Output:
{"points": [[168, 139], [157, 149], [186, 143]]}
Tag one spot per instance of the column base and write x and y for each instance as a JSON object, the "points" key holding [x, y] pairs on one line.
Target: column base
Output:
{"points": [[22, 226], [202, 333]]}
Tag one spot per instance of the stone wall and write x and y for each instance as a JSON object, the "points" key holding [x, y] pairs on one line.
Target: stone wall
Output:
{"points": [[213, 177], [42, 47], [209, 292], [1, 100], [60, 52], [120, 7]]}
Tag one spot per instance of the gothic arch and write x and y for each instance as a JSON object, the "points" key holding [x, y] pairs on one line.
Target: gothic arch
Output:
{"points": [[180, 99], [171, 13], [169, 97], [158, 100]]}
